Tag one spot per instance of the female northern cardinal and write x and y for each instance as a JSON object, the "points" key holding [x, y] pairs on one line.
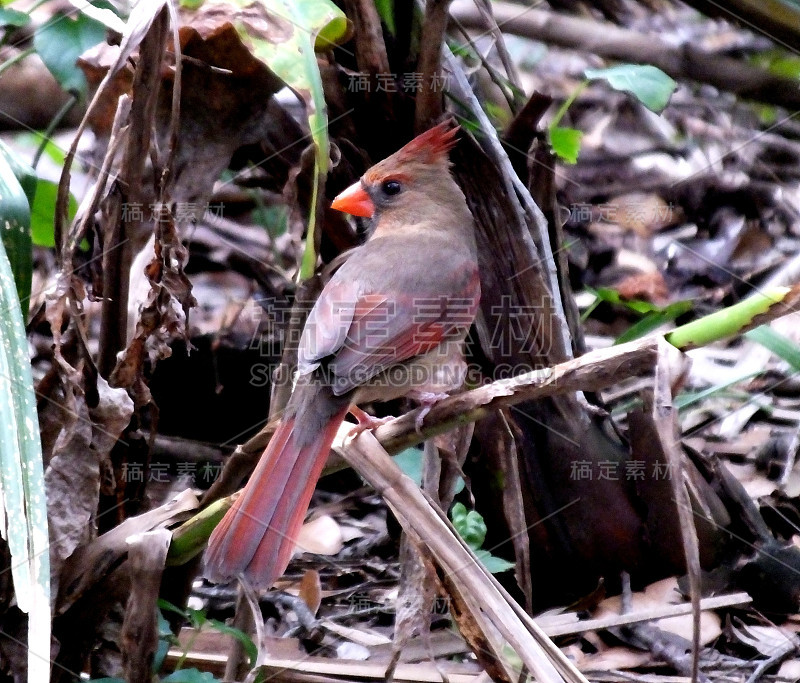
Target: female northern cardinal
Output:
{"points": [[390, 322]]}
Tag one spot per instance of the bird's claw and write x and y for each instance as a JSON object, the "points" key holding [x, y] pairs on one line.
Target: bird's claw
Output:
{"points": [[365, 422], [426, 399]]}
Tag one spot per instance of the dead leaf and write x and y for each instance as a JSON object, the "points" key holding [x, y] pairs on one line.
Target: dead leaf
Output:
{"points": [[320, 536], [790, 670], [658, 594], [644, 286], [642, 213], [311, 590], [72, 481], [615, 658]]}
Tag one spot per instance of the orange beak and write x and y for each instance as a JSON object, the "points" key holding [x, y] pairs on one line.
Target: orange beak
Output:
{"points": [[355, 201]]}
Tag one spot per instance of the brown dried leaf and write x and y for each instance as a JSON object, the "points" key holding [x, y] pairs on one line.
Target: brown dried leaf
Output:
{"points": [[659, 594], [311, 590], [645, 286], [110, 417], [95, 64], [139, 636], [72, 481], [165, 313], [90, 564], [209, 34]]}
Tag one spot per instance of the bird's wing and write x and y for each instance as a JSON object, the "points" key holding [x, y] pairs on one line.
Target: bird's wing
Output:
{"points": [[367, 333], [327, 324]]}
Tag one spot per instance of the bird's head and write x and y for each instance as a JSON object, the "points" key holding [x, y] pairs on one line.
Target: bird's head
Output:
{"points": [[403, 179]]}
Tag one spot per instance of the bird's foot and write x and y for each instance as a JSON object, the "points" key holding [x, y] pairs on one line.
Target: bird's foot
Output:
{"points": [[426, 399], [365, 421]]}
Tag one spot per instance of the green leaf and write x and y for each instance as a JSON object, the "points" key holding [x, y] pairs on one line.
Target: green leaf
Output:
{"points": [[23, 515], [498, 115], [197, 617], [386, 12], [12, 17], [61, 41], [43, 213], [160, 655], [654, 320], [648, 84], [16, 181], [767, 115], [689, 398], [612, 296], [34, 140], [463, 50], [781, 346], [245, 640], [469, 525], [190, 676], [166, 605], [164, 630], [297, 27], [778, 62], [566, 143], [25, 175], [493, 564], [165, 639], [274, 219], [410, 462]]}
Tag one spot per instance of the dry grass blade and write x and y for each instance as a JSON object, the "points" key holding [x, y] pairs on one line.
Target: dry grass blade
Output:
{"points": [[664, 419], [90, 563], [492, 608], [139, 637]]}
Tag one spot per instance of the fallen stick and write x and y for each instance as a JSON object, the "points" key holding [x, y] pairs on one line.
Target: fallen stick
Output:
{"points": [[716, 602], [608, 40]]}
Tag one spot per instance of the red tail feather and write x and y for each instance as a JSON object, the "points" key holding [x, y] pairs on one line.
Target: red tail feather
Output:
{"points": [[256, 537]]}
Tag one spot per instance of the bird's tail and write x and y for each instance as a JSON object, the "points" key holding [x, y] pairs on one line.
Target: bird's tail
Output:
{"points": [[256, 537]]}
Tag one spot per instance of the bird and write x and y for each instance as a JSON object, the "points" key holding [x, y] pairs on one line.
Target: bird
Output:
{"points": [[390, 322]]}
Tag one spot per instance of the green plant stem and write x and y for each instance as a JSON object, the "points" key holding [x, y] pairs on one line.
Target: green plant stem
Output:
{"points": [[590, 309], [51, 127], [16, 58], [309, 261], [727, 322], [36, 5], [567, 104], [186, 650]]}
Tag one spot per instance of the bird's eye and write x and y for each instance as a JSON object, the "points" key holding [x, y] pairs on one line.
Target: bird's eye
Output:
{"points": [[391, 187]]}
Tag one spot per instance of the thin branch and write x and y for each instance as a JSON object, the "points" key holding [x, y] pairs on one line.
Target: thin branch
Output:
{"points": [[485, 9], [590, 372], [610, 41], [371, 56], [429, 98], [661, 612]]}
